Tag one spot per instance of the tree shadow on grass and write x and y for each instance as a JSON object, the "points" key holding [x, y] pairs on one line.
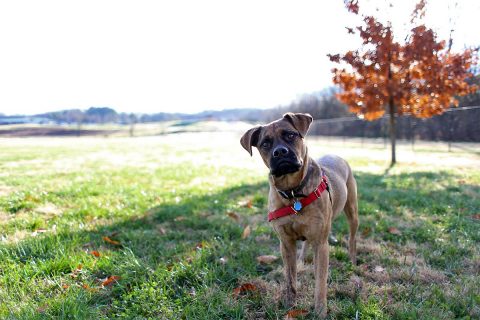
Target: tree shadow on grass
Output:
{"points": [[183, 259], [430, 193], [165, 255], [417, 234], [433, 210]]}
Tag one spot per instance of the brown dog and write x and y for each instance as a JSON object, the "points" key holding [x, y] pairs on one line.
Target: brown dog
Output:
{"points": [[293, 177]]}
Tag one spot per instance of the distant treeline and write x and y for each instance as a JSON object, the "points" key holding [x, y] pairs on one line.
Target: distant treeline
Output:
{"points": [[457, 125], [334, 119], [92, 115], [109, 115]]}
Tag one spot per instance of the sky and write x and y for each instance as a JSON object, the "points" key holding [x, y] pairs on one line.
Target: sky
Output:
{"points": [[187, 56]]}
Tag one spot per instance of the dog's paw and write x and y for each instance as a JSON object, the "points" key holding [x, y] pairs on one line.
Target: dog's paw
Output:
{"points": [[321, 311]]}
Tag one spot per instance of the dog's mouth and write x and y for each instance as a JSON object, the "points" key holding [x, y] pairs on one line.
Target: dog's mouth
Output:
{"points": [[284, 166]]}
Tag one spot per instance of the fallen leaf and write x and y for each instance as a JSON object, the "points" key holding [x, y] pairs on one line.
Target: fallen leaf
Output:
{"points": [[246, 232], [114, 242], [246, 203], [88, 288], [161, 230], [267, 259], [95, 253], [366, 231], [234, 216], [476, 216], [179, 218], [205, 214], [65, 286], [31, 198], [293, 314], [110, 280], [42, 308], [379, 269], [356, 281], [244, 288], [394, 231], [75, 272]]}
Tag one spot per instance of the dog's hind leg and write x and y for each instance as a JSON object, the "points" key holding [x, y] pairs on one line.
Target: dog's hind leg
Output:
{"points": [[321, 276], [303, 252], [351, 210]]}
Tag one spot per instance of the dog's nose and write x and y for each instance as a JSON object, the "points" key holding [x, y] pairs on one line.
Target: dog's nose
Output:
{"points": [[279, 151]]}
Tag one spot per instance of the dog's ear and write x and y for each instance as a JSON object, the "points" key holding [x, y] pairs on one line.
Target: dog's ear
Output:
{"points": [[250, 138], [301, 121]]}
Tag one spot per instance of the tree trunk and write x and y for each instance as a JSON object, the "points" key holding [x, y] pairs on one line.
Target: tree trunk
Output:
{"points": [[393, 135], [391, 104]]}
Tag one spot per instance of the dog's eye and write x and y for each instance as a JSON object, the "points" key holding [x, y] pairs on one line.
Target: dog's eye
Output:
{"points": [[266, 145], [290, 136]]}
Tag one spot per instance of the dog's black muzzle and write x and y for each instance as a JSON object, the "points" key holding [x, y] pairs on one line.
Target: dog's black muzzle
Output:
{"points": [[283, 161]]}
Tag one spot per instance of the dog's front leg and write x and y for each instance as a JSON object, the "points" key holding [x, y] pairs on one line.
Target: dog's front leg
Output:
{"points": [[289, 256], [321, 275]]}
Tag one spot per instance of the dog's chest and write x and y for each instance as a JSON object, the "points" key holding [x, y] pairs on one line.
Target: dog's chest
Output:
{"points": [[292, 230], [305, 226]]}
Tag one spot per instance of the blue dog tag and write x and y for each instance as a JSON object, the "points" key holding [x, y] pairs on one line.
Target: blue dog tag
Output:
{"points": [[297, 205]]}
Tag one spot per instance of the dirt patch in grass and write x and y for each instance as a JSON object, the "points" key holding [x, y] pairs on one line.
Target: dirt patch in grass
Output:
{"points": [[6, 191], [4, 216], [16, 237], [49, 210], [374, 278]]}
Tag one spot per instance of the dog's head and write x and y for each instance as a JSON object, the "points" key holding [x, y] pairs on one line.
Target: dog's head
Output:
{"points": [[280, 142]]}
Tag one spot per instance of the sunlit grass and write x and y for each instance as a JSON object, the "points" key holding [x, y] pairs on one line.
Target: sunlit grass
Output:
{"points": [[166, 201]]}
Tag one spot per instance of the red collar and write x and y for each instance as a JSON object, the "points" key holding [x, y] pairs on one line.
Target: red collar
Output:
{"points": [[288, 210]]}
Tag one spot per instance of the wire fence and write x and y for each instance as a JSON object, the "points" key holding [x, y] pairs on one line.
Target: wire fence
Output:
{"points": [[456, 128]]}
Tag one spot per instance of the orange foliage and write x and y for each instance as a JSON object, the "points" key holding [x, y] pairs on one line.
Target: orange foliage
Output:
{"points": [[110, 280], [420, 77], [243, 289], [295, 313], [352, 6], [95, 253], [114, 242]]}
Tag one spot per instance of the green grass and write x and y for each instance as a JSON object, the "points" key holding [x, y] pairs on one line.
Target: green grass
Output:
{"points": [[166, 200]]}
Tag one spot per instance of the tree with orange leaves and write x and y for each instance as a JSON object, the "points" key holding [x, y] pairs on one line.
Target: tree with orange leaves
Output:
{"points": [[420, 77]]}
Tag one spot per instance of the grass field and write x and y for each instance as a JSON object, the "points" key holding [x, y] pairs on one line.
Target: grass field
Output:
{"points": [[116, 130], [158, 227]]}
